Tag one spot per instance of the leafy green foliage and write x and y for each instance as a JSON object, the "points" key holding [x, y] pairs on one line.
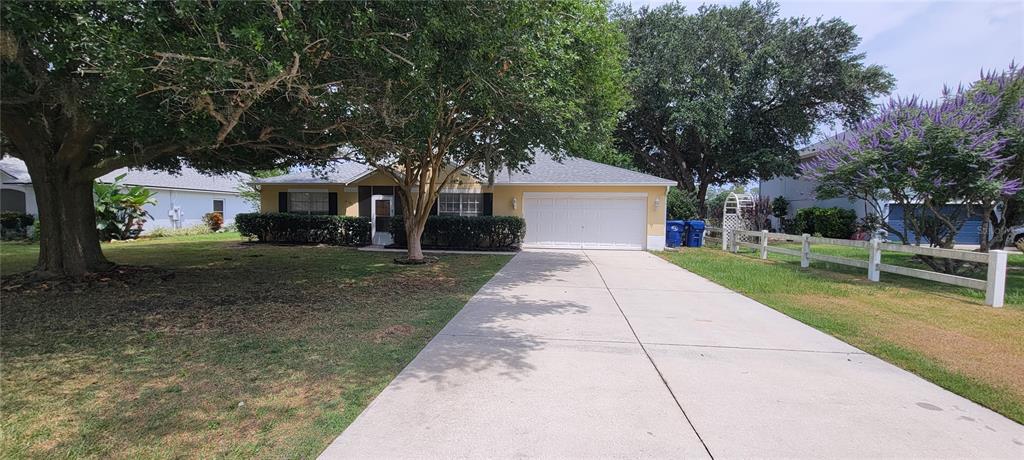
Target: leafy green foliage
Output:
{"points": [[282, 227], [466, 232], [724, 94], [780, 207], [826, 222], [480, 86], [120, 210], [682, 205], [14, 220], [14, 225]]}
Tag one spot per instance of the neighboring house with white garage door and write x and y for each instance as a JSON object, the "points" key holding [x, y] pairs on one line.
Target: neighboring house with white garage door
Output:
{"points": [[575, 203], [181, 199]]}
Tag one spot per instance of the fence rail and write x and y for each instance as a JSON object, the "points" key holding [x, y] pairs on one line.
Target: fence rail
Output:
{"points": [[994, 283]]}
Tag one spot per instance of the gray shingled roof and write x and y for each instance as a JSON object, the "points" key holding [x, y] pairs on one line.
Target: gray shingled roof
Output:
{"points": [[815, 148], [188, 179], [15, 169], [341, 172], [545, 170], [571, 170]]}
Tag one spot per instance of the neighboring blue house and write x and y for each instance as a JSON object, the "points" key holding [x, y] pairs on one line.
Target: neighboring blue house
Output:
{"points": [[800, 193]]}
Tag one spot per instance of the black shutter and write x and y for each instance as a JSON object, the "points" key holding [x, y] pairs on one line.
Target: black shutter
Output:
{"points": [[398, 201], [282, 202], [332, 203], [487, 207], [365, 193]]}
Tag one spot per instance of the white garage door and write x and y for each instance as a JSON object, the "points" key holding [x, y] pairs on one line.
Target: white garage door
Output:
{"points": [[585, 220]]}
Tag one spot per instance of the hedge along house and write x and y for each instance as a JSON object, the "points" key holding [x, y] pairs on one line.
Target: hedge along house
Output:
{"points": [[573, 204]]}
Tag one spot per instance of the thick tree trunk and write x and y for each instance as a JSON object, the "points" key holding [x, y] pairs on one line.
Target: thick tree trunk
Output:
{"points": [[413, 234], [68, 242], [702, 198]]}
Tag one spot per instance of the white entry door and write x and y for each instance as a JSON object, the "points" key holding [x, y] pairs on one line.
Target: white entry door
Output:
{"points": [[382, 211], [585, 220]]}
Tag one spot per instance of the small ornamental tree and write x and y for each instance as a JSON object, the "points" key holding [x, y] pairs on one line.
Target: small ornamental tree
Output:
{"points": [[476, 87], [925, 156]]}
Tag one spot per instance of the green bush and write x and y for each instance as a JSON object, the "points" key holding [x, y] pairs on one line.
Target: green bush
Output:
{"points": [[15, 220], [682, 205], [471, 233], [827, 222], [14, 225], [282, 227]]}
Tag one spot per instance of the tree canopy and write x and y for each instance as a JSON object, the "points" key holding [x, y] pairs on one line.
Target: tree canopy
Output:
{"points": [[477, 87], [90, 87], [725, 94]]}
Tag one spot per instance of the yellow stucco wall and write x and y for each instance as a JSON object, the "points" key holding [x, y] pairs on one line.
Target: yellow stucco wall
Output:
{"points": [[503, 195], [268, 196]]}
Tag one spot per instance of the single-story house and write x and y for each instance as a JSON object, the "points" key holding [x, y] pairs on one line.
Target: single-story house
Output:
{"points": [[800, 193], [574, 203], [181, 199]]}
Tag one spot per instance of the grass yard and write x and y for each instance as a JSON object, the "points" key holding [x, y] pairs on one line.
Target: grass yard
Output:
{"points": [[250, 350], [942, 333]]}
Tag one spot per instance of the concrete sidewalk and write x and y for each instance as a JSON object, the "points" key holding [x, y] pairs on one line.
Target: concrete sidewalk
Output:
{"points": [[621, 354]]}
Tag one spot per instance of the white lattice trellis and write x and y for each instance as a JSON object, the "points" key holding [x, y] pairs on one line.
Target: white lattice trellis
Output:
{"points": [[734, 215]]}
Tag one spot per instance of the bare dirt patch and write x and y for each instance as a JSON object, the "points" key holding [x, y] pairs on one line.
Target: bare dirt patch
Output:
{"points": [[392, 333]]}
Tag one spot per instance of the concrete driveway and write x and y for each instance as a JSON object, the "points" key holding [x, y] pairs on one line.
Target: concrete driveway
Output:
{"points": [[590, 354]]}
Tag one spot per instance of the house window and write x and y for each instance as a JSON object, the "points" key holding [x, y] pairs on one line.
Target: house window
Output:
{"points": [[460, 204], [308, 202], [218, 207]]}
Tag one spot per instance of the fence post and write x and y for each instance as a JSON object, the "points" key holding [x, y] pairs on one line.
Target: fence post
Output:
{"points": [[995, 282], [733, 241], [764, 244], [725, 238], [805, 251], [874, 258]]}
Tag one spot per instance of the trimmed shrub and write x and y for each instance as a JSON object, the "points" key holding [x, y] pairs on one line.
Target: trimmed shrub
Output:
{"points": [[827, 222], [282, 227], [14, 225], [496, 233]]}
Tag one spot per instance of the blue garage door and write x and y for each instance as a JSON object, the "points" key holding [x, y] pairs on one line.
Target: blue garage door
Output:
{"points": [[969, 234]]}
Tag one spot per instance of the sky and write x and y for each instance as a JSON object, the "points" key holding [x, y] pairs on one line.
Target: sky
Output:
{"points": [[924, 44]]}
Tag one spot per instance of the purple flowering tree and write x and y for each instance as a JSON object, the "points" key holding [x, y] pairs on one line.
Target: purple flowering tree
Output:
{"points": [[943, 161]]}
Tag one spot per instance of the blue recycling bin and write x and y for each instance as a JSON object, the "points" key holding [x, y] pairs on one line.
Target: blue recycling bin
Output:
{"points": [[694, 233], [674, 231]]}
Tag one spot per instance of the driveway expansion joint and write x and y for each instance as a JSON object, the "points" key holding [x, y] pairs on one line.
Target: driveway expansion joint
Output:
{"points": [[650, 358]]}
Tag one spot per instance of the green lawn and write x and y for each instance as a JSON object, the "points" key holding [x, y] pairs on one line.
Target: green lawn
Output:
{"points": [[942, 333], [250, 350]]}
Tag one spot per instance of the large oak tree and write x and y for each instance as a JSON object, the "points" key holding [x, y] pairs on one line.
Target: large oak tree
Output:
{"points": [[724, 94], [90, 87]]}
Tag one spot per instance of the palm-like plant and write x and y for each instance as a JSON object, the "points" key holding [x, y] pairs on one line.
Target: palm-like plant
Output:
{"points": [[120, 210]]}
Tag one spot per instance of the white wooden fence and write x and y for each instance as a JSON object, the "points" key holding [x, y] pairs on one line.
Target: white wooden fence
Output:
{"points": [[994, 283]]}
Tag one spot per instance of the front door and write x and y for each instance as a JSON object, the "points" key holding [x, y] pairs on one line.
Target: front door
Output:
{"points": [[383, 210]]}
